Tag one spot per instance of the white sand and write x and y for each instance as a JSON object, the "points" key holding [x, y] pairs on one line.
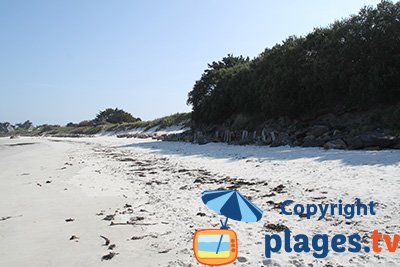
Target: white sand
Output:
{"points": [[162, 181]]}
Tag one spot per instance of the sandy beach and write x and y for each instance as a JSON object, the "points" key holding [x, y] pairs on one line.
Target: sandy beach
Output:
{"points": [[108, 201]]}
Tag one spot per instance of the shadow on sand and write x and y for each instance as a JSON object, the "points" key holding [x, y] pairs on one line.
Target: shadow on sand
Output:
{"points": [[236, 152]]}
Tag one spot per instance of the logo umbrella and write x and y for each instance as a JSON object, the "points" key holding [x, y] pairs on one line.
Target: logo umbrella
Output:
{"points": [[232, 205]]}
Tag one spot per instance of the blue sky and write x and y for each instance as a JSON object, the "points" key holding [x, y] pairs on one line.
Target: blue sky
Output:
{"points": [[63, 61]]}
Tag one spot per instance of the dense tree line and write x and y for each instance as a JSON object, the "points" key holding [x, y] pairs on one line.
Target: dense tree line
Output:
{"points": [[354, 64]]}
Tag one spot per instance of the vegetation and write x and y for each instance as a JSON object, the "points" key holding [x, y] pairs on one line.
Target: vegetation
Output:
{"points": [[352, 65], [100, 124], [106, 120], [160, 123], [167, 121], [114, 116], [90, 127]]}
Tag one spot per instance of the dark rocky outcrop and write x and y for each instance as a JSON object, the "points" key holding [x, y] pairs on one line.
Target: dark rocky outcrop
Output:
{"points": [[281, 139], [335, 144], [373, 141], [348, 131]]}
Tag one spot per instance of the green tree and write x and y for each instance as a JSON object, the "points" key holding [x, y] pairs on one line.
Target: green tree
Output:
{"points": [[353, 64], [114, 116]]}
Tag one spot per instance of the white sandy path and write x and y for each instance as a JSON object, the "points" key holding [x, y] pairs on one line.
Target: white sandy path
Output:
{"points": [[170, 199]]}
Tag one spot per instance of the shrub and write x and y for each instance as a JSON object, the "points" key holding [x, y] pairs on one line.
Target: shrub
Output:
{"points": [[85, 123], [114, 116]]}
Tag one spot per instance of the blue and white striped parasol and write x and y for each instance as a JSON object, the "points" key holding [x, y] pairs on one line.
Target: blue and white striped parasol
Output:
{"points": [[232, 205]]}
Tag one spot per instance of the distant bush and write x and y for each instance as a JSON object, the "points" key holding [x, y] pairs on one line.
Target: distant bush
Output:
{"points": [[71, 124], [26, 125], [167, 121], [114, 116], [175, 119], [85, 123], [86, 130], [47, 128]]}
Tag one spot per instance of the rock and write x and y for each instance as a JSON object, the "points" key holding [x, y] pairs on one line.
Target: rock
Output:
{"points": [[297, 142], [372, 140], [385, 141], [264, 135], [202, 140], [227, 136], [336, 132], [272, 137], [396, 144], [216, 136], [354, 142], [254, 137], [282, 139], [266, 138], [245, 135], [335, 144], [317, 130], [300, 134], [312, 141], [245, 139]]}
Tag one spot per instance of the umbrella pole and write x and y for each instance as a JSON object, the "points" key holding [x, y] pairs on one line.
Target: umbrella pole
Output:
{"points": [[220, 239], [226, 222]]}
